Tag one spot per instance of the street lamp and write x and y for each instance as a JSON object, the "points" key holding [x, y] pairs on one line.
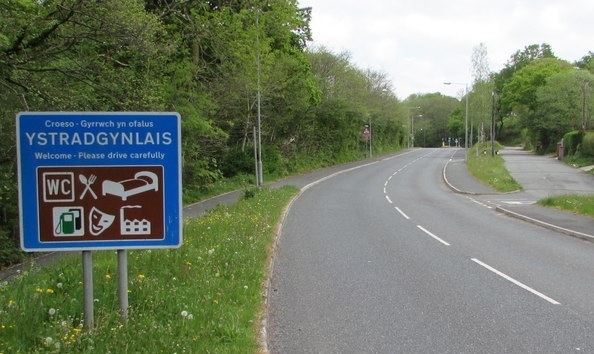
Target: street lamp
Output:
{"points": [[413, 128], [410, 139], [466, 117]]}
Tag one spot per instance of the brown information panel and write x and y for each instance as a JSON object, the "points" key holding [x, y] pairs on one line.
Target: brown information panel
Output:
{"points": [[99, 203]]}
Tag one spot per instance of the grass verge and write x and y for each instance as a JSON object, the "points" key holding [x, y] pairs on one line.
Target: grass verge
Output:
{"points": [[579, 204], [205, 297], [491, 169]]}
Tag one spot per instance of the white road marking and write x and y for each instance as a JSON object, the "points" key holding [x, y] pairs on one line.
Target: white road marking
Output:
{"points": [[521, 285], [401, 213], [480, 203], [388, 199], [432, 235], [519, 202]]}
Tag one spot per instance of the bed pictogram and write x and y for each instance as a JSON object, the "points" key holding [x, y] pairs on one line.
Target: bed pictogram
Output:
{"points": [[143, 181]]}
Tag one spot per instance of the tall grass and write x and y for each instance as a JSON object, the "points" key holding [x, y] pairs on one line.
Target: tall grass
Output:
{"points": [[205, 297], [491, 169]]}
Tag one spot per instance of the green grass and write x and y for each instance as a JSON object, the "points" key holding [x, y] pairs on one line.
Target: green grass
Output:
{"points": [[491, 170], [205, 297], [577, 161], [579, 204]]}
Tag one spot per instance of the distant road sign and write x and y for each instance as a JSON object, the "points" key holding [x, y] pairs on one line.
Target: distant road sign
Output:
{"points": [[366, 135], [92, 181]]}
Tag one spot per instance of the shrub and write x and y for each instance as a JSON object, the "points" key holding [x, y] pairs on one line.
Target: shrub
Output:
{"points": [[587, 145], [571, 142], [238, 162]]}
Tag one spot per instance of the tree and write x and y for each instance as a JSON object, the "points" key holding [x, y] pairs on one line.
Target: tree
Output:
{"points": [[72, 55], [587, 62], [563, 104], [517, 61], [435, 109], [520, 93]]}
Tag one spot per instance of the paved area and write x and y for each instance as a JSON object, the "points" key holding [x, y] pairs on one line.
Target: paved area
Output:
{"points": [[540, 177]]}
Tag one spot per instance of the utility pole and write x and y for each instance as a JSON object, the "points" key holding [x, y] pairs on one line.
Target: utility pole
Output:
{"points": [[494, 95]]}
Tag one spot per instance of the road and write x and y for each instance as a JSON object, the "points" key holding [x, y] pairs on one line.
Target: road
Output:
{"points": [[387, 259]]}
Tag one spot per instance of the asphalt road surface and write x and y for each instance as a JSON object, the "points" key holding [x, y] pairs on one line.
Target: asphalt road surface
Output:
{"points": [[385, 258]]}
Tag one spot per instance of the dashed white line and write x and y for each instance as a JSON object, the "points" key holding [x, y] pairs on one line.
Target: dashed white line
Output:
{"points": [[401, 213], [388, 199], [521, 285], [432, 235]]}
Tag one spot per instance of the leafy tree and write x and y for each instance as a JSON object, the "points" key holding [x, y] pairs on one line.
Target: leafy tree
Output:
{"points": [[432, 128], [456, 127], [518, 60], [587, 62], [562, 104], [72, 55], [520, 93]]}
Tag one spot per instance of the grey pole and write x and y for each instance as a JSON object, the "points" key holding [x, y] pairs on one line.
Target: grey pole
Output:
{"points": [[88, 289], [123, 284], [466, 128], [260, 178]]}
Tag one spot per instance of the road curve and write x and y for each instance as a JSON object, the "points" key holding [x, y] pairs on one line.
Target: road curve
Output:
{"points": [[386, 258]]}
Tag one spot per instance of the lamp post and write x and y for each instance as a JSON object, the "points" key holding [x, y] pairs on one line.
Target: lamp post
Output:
{"points": [[411, 136], [584, 106], [413, 129], [466, 117], [493, 109]]}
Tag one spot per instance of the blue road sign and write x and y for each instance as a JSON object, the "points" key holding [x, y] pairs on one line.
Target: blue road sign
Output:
{"points": [[91, 181]]}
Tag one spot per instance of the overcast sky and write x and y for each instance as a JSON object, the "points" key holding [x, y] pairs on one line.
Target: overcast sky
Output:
{"points": [[422, 43]]}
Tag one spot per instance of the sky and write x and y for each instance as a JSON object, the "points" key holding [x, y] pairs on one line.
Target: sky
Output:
{"points": [[420, 44]]}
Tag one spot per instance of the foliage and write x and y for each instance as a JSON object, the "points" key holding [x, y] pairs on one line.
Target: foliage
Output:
{"points": [[587, 62], [506, 111], [432, 121], [521, 90], [587, 145], [562, 104], [572, 141], [205, 297]]}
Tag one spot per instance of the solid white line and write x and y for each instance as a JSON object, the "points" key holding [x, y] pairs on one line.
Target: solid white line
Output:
{"points": [[402, 213], [389, 201], [432, 235], [523, 286]]}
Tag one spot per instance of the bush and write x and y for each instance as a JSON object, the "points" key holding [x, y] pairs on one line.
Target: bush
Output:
{"points": [[571, 142], [238, 162], [10, 252], [587, 145]]}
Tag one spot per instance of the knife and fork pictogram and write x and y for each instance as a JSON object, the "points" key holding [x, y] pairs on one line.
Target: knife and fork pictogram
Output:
{"points": [[87, 183]]}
